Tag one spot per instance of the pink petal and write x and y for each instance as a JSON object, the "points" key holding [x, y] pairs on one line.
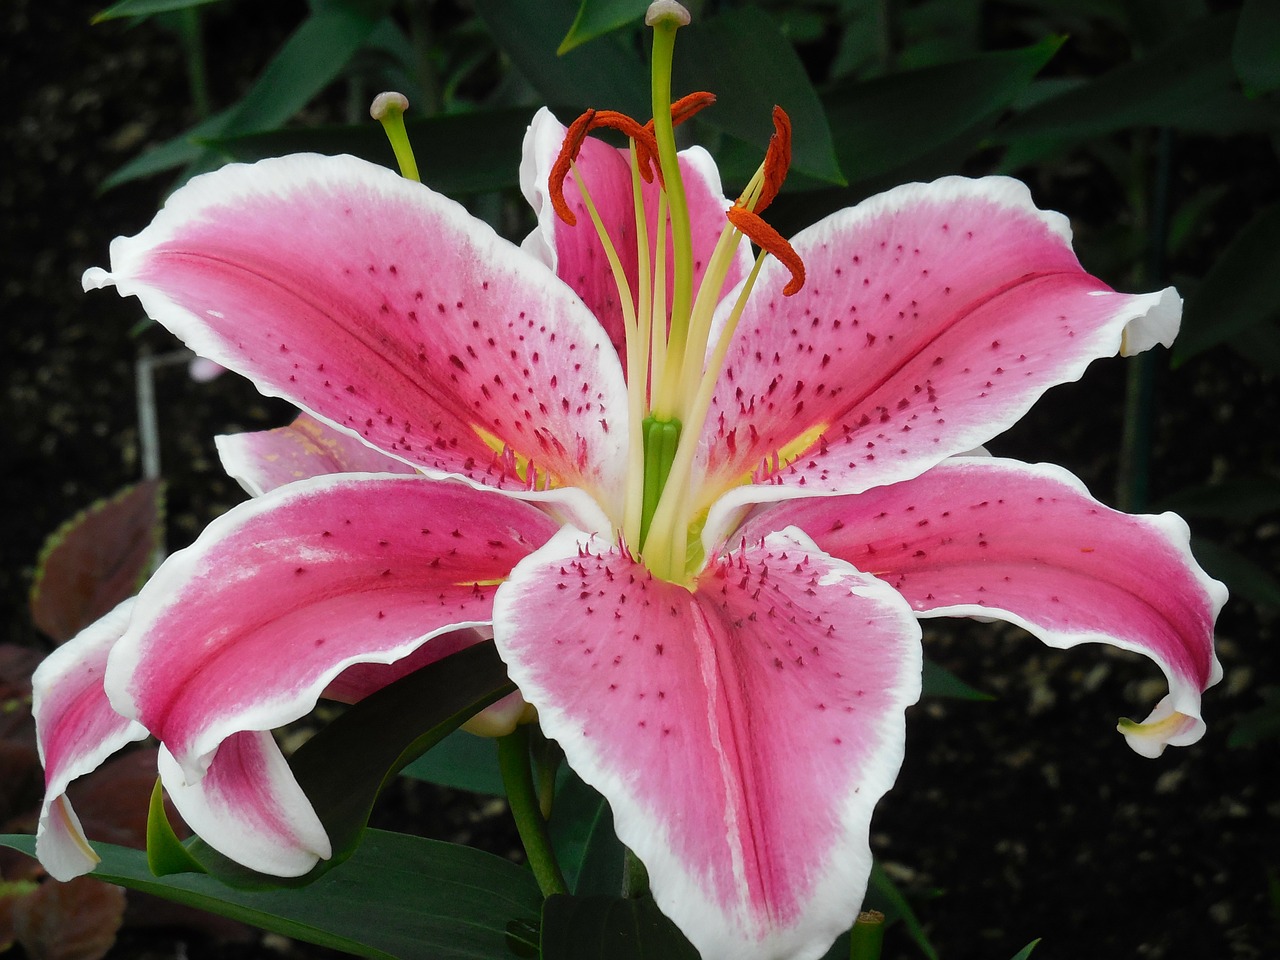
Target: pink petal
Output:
{"points": [[76, 730], [575, 252], [933, 317], [386, 309], [742, 729], [249, 807], [1027, 544], [265, 459], [244, 629]]}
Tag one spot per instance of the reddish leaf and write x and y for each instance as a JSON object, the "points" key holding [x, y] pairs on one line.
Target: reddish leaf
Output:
{"points": [[68, 921], [96, 560]]}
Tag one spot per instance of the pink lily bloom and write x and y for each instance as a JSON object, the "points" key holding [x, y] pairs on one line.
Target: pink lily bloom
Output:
{"points": [[701, 502]]}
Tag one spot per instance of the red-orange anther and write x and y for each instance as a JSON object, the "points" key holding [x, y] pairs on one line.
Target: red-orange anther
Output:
{"points": [[573, 138], [688, 105], [772, 242], [681, 110], [777, 159], [642, 135]]}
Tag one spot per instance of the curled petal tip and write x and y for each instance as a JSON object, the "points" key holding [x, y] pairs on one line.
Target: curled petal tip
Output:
{"points": [[61, 845], [95, 278], [1164, 727]]}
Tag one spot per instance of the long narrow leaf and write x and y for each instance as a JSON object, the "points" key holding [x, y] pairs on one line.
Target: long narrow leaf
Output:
{"points": [[1186, 84], [309, 61], [457, 153], [882, 124], [144, 8], [397, 897], [723, 54], [598, 17], [608, 74], [1241, 289]]}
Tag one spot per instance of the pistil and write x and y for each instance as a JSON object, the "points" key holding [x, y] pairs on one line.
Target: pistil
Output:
{"points": [[672, 367], [666, 17], [388, 109]]}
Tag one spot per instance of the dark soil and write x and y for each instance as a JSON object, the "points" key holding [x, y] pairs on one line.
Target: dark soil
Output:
{"points": [[1028, 816]]}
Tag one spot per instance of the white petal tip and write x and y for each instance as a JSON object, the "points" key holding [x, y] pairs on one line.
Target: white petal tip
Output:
{"points": [[95, 278], [1159, 323], [61, 846]]}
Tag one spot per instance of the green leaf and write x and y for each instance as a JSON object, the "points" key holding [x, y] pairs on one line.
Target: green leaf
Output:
{"points": [[598, 17], [1186, 83], [610, 928], [461, 761], [1241, 289], [144, 8], [1258, 725], [941, 682], [185, 148], [398, 897], [1255, 50], [457, 154], [882, 124], [165, 853], [97, 560], [1244, 578], [742, 57], [370, 744], [312, 57], [1242, 500], [309, 61], [1025, 952], [588, 851], [610, 74], [1260, 345]]}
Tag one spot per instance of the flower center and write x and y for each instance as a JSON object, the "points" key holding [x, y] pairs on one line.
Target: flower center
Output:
{"points": [[672, 359]]}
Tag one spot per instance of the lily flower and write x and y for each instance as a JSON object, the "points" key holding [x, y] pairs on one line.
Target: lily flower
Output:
{"points": [[701, 500]]}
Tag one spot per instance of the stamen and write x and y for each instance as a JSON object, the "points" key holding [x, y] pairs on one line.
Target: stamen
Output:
{"points": [[771, 241], [745, 214], [777, 159], [573, 138], [388, 109], [681, 110], [646, 148]]}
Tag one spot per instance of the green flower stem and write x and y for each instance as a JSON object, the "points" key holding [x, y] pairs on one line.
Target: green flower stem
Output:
{"points": [[517, 777], [867, 936]]}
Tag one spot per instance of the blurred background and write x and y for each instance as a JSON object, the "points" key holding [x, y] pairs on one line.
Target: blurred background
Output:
{"points": [[1152, 124]]}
